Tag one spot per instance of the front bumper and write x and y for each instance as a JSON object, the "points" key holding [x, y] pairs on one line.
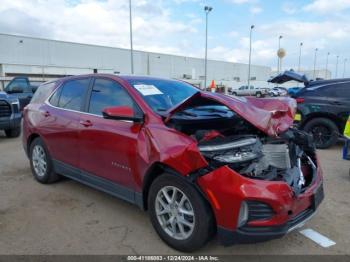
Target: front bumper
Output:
{"points": [[11, 122], [248, 234], [226, 189]]}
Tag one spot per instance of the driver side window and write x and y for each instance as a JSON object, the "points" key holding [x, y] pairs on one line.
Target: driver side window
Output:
{"points": [[107, 93]]}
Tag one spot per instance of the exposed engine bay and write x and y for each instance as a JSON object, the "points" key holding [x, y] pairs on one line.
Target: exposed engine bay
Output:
{"points": [[224, 138]]}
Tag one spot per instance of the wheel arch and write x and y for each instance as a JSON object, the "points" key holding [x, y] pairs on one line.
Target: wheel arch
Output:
{"points": [[30, 140], [158, 169], [332, 117]]}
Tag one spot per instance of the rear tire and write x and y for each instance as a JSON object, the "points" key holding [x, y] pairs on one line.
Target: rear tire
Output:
{"points": [[41, 163], [324, 131], [14, 132], [199, 226]]}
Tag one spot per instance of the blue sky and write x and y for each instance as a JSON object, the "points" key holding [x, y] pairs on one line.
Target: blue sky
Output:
{"points": [[177, 27]]}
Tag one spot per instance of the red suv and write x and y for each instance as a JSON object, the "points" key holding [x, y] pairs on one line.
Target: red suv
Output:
{"points": [[200, 163]]}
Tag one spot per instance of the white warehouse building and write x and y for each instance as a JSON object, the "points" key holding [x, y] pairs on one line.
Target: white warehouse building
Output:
{"points": [[43, 59]]}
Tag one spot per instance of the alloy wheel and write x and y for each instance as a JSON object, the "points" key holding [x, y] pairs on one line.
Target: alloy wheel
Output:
{"points": [[321, 134], [39, 160], [175, 213]]}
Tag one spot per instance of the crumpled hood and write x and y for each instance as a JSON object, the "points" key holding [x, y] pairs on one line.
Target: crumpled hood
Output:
{"points": [[270, 115]]}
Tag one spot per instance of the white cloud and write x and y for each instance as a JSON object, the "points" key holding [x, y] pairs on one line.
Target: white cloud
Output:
{"points": [[256, 10], [327, 6], [289, 8], [243, 1], [98, 22]]}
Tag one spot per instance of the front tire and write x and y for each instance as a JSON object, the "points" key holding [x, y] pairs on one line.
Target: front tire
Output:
{"points": [[14, 132], [324, 131], [179, 214], [258, 94], [41, 163]]}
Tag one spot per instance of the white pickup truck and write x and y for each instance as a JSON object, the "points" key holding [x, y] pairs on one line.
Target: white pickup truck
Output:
{"points": [[251, 91]]}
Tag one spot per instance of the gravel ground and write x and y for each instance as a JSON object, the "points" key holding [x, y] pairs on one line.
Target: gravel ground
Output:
{"points": [[70, 218]]}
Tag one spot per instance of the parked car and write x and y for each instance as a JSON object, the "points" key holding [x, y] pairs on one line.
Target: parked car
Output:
{"points": [[10, 116], [251, 91], [293, 90], [323, 108], [21, 88], [277, 91], [200, 163]]}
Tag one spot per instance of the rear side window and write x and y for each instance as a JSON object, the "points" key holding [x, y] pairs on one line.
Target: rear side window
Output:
{"points": [[107, 93], [71, 95], [42, 93]]}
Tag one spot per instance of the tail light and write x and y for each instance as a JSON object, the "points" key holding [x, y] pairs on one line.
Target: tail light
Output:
{"points": [[300, 100]]}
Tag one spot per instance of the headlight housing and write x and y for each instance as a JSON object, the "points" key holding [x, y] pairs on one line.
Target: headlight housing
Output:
{"points": [[15, 105], [227, 151]]}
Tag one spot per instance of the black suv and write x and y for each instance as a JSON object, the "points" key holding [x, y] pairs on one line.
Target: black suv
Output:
{"points": [[10, 116], [323, 107]]}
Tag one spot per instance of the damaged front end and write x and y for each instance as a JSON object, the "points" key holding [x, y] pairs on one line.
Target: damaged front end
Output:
{"points": [[289, 158]]}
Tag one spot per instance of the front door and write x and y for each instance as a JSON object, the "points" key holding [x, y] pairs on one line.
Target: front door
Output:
{"points": [[108, 148]]}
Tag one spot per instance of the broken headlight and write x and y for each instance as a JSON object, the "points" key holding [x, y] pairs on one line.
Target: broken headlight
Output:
{"points": [[235, 157], [229, 150]]}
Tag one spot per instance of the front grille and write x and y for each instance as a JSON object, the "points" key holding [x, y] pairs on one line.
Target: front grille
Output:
{"points": [[5, 109], [259, 211]]}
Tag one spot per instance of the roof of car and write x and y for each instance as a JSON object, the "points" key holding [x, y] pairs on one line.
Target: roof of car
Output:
{"points": [[124, 77], [328, 81]]}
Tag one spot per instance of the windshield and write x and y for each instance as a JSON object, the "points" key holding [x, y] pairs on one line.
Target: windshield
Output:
{"points": [[161, 95]]}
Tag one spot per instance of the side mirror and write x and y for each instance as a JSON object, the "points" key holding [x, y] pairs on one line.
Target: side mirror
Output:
{"points": [[121, 113]]}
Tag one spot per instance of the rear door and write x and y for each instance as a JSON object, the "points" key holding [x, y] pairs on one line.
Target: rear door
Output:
{"points": [[339, 98], [61, 114], [108, 148]]}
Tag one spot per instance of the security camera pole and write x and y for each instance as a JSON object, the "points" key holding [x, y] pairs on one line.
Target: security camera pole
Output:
{"points": [[131, 41], [278, 58], [299, 63], [207, 10], [315, 59], [250, 53], [327, 65], [336, 67]]}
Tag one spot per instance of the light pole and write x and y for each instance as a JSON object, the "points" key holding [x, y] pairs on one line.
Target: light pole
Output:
{"points": [[315, 58], [327, 64], [345, 60], [278, 58], [300, 47], [207, 10], [250, 53], [336, 67], [131, 40]]}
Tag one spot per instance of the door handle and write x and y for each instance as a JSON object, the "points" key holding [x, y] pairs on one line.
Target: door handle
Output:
{"points": [[336, 103], [46, 114], [86, 123]]}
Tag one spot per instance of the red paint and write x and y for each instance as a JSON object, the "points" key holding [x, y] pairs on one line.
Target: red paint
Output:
{"points": [[123, 152]]}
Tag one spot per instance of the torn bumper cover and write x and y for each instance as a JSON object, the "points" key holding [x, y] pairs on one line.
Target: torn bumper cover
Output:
{"points": [[272, 208]]}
